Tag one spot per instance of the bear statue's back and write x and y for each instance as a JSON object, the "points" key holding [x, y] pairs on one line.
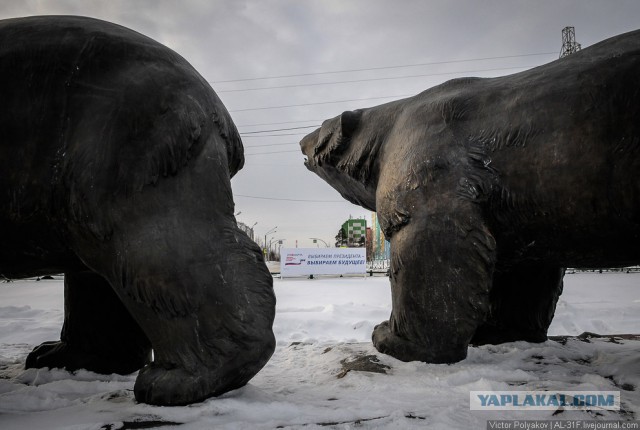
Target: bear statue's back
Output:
{"points": [[559, 143], [91, 111], [548, 153]]}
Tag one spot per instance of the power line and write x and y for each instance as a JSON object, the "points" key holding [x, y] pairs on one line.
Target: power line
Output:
{"points": [[273, 152], [270, 144], [373, 79], [278, 129], [383, 67], [321, 103], [278, 134], [351, 100], [279, 123], [289, 200], [275, 164]]}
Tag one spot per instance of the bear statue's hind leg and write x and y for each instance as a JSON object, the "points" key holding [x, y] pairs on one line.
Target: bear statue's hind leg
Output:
{"points": [[197, 286], [523, 301], [208, 312], [98, 334], [441, 271]]}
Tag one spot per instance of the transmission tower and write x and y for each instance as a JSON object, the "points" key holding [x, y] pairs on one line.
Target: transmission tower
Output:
{"points": [[569, 44]]}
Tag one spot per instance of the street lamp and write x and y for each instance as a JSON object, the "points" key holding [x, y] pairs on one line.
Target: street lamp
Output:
{"points": [[316, 239], [265, 240], [274, 242], [251, 230]]}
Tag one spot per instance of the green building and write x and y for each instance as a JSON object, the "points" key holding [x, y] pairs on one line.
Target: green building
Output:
{"points": [[353, 233]]}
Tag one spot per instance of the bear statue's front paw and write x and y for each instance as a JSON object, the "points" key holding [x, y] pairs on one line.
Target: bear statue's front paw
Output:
{"points": [[391, 344], [157, 385], [61, 354]]}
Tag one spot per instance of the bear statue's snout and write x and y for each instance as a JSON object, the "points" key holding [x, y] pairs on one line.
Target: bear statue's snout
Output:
{"points": [[307, 145]]}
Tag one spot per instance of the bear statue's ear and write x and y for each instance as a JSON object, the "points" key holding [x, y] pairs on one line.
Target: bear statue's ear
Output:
{"points": [[349, 122]]}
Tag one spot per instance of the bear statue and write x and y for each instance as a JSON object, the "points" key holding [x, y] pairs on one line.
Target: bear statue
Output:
{"points": [[488, 188], [115, 166]]}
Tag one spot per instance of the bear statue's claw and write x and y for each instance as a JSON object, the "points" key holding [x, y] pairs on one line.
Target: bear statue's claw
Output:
{"points": [[60, 354]]}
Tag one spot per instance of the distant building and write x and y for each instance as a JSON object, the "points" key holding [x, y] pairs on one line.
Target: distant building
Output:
{"points": [[352, 234], [356, 230]]}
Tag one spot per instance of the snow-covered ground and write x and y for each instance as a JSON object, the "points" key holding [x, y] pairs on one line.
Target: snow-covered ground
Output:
{"points": [[322, 326]]}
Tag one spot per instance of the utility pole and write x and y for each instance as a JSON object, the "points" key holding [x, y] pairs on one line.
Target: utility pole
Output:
{"points": [[569, 44]]}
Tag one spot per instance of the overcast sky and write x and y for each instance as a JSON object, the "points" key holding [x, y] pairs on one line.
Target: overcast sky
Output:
{"points": [[389, 47]]}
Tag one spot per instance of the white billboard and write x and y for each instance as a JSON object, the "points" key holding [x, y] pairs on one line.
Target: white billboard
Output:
{"points": [[322, 261]]}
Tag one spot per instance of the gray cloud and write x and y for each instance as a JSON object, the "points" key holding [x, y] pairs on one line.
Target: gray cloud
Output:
{"points": [[238, 39]]}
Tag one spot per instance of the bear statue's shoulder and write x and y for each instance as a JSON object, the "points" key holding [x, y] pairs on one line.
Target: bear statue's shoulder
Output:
{"points": [[94, 75]]}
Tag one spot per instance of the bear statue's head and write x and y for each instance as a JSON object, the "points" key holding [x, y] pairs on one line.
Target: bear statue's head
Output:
{"points": [[343, 154]]}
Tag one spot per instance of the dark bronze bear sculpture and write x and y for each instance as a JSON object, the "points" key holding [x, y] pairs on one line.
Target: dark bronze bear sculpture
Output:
{"points": [[115, 166], [488, 189]]}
